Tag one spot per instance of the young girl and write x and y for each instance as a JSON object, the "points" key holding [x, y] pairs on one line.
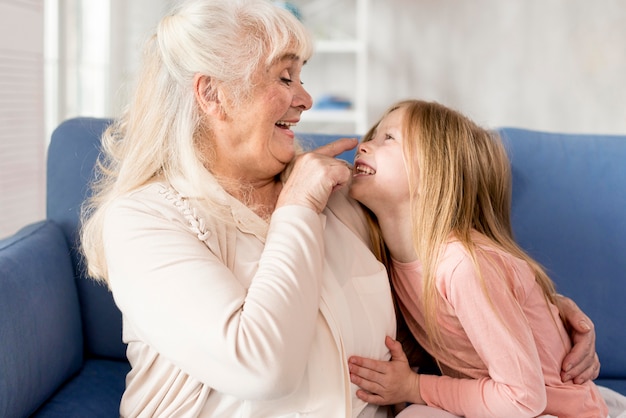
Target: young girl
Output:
{"points": [[439, 188]]}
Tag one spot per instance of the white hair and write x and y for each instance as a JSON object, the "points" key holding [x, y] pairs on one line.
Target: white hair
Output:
{"points": [[161, 130]]}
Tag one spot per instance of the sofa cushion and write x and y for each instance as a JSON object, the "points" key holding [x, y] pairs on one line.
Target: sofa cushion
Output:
{"points": [[95, 392], [618, 385], [569, 203], [40, 329], [74, 147]]}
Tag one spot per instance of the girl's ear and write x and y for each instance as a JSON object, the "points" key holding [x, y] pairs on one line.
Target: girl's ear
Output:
{"points": [[207, 95]]}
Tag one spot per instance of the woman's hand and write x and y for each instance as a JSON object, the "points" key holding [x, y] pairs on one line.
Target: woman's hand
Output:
{"points": [[313, 176], [333, 149], [581, 363], [385, 382]]}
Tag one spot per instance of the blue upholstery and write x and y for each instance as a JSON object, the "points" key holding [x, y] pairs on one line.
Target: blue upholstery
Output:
{"points": [[72, 153], [94, 392], [61, 352], [40, 326], [569, 212], [310, 141]]}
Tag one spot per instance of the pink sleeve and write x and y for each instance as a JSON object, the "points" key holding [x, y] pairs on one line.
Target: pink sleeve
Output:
{"points": [[515, 385]]}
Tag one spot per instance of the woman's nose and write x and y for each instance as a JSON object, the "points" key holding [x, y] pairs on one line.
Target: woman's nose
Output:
{"points": [[302, 98]]}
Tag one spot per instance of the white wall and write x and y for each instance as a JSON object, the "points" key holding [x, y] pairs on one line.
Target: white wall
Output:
{"points": [[556, 65], [543, 64]]}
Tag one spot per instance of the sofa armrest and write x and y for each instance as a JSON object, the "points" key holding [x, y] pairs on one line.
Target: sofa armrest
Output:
{"points": [[41, 342]]}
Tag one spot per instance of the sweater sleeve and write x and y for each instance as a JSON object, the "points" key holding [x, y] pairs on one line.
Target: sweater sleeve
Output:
{"points": [[250, 340], [497, 330]]}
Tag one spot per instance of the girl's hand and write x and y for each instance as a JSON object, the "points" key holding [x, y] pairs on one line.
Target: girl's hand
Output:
{"points": [[385, 382], [581, 363]]}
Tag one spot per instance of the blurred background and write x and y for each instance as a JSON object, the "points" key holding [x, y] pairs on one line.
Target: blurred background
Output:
{"points": [[554, 65]]}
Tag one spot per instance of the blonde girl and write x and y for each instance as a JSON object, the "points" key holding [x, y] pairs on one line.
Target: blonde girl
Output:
{"points": [[439, 187]]}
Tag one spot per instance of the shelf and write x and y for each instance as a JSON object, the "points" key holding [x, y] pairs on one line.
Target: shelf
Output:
{"points": [[315, 115], [340, 62]]}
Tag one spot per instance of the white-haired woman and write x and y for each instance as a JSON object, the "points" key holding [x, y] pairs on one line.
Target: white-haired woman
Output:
{"points": [[242, 291]]}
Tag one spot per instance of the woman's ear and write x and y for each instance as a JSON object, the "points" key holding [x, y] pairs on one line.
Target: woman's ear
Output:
{"points": [[207, 95]]}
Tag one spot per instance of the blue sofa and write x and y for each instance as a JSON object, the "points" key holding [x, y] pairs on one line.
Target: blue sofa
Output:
{"points": [[61, 352]]}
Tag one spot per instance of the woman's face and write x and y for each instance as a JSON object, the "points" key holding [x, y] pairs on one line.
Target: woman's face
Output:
{"points": [[254, 141], [380, 179]]}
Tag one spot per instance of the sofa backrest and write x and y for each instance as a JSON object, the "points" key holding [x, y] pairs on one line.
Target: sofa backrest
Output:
{"points": [[569, 212], [72, 153]]}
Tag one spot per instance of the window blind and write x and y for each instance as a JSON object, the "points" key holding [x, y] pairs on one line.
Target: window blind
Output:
{"points": [[22, 141]]}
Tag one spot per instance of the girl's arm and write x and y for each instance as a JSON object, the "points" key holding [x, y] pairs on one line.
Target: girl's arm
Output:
{"points": [[386, 382], [488, 338]]}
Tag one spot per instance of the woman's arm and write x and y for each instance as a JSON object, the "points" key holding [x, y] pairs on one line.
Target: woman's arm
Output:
{"points": [[246, 332], [581, 363]]}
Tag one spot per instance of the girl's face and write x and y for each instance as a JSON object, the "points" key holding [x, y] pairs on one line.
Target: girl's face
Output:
{"points": [[380, 179], [254, 141]]}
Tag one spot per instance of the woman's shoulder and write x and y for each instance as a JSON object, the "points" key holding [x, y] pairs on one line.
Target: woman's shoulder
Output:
{"points": [[152, 196], [349, 212], [151, 201], [160, 202]]}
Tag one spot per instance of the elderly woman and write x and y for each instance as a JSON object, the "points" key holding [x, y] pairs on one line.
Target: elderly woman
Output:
{"points": [[243, 290]]}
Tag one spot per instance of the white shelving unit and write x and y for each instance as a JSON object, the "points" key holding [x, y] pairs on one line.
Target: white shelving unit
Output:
{"points": [[339, 65]]}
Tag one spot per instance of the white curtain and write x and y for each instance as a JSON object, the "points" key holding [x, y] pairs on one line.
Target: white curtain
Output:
{"points": [[97, 54]]}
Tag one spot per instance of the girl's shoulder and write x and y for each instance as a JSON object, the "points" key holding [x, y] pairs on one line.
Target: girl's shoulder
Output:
{"points": [[489, 264], [483, 247]]}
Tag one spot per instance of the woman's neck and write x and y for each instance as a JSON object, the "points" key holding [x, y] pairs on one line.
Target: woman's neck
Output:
{"points": [[259, 198]]}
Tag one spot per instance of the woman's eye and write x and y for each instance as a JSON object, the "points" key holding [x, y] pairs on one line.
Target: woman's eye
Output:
{"points": [[286, 80]]}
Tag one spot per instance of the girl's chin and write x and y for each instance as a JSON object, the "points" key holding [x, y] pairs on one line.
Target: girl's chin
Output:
{"points": [[365, 194], [355, 192]]}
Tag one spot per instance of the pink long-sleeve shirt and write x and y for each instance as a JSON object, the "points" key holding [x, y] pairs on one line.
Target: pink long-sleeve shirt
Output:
{"points": [[504, 351]]}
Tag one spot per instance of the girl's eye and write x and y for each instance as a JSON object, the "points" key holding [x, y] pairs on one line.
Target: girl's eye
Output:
{"points": [[387, 136]]}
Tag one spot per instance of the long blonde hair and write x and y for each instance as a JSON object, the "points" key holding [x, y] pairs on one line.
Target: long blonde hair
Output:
{"points": [[464, 185], [162, 132]]}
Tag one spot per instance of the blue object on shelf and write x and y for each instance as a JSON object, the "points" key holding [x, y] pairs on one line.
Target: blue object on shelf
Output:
{"points": [[330, 102], [291, 7]]}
